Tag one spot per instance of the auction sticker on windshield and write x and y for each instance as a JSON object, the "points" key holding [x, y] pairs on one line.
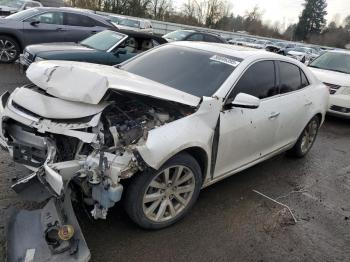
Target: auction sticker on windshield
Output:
{"points": [[225, 60]]}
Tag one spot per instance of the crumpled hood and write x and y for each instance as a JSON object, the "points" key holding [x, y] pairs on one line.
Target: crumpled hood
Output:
{"points": [[331, 77], [88, 83]]}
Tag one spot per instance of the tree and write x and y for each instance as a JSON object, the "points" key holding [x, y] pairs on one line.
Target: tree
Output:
{"points": [[312, 19], [347, 23]]}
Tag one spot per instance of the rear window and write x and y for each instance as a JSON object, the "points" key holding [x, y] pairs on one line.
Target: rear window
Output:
{"points": [[193, 71]]}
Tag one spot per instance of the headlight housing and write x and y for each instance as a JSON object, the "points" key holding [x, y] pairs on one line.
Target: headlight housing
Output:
{"points": [[37, 59]]}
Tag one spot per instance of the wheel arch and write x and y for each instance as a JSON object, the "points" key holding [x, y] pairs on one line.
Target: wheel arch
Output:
{"points": [[201, 157], [15, 37]]}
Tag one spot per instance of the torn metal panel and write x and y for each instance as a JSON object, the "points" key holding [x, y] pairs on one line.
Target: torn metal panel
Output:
{"points": [[54, 108], [196, 130], [88, 83], [27, 233]]}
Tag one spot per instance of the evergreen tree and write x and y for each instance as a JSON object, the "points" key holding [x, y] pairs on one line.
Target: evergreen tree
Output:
{"points": [[312, 19]]}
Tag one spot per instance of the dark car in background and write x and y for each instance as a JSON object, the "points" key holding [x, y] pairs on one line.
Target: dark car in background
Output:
{"points": [[108, 47], [9, 7], [46, 25], [194, 35]]}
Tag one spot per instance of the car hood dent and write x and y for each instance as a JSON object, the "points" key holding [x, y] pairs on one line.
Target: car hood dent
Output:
{"points": [[88, 83], [54, 108]]}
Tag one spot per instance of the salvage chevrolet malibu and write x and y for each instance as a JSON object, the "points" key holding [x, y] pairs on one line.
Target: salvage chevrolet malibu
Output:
{"points": [[154, 130]]}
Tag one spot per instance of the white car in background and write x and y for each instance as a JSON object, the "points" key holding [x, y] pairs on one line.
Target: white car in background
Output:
{"points": [[333, 69], [135, 24], [155, 129], [260, 44], [302, 54]]}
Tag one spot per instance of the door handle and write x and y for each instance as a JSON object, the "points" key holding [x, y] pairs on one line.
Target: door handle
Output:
{"points": [[60, 29], [274, 115], [93, 32], [308, 103]]}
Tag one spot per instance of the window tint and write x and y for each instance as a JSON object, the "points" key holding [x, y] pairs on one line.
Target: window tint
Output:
{"points": [[78, 20], [290, 79], [304, 81], [195, 37], [210, 38], [55, 18], [258, 81]]}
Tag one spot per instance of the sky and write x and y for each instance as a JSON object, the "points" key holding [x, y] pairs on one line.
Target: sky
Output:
{"points": [[284, 11]]}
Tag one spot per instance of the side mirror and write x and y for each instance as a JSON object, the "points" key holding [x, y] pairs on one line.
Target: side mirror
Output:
{"points": [[246, 101], [34, 23]]}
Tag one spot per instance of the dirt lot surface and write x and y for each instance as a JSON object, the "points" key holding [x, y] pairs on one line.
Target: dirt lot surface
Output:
{"points": [[230, 222]]}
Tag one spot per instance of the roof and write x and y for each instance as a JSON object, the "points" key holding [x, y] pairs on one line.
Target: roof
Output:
{"points": [[226, 49]]}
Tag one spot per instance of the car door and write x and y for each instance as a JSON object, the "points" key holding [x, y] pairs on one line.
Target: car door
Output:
{"points": [[249, 134], [46, 27], [78, 26], [295, 103]]}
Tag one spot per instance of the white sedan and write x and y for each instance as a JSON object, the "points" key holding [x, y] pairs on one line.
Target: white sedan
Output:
{"points": [[156, 129], [333, 69]]}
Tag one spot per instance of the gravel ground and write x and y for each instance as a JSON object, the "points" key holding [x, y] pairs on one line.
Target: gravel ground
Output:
{"points": [[230, 222]]}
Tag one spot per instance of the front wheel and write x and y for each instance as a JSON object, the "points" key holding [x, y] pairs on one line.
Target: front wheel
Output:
{"points": [[306, 139], [155, 200], [9, 49]]}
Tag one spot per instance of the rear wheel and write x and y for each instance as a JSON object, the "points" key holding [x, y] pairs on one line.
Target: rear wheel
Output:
{"points": [[155, 200], [9, 49], [306, 139]]}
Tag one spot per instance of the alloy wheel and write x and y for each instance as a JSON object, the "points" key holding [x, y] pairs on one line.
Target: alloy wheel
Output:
{"points": [[309, 136], [169, 193], [8, 50]]}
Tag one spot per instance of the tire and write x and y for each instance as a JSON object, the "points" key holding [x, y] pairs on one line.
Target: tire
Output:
{"points": [[151, 212], [306, 139], [9, 49]]}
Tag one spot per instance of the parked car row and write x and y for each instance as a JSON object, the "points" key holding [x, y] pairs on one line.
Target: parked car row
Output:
{"points": [[297, 51]]}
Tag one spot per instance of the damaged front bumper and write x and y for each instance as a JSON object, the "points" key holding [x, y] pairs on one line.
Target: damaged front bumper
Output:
{"points": [[35, 235]]}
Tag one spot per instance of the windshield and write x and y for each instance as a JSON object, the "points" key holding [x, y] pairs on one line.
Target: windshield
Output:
{"points": [[178, 35], [339, 62], [193, 71], [103, 41], [11, 3], [23, 14], [115, 19], [129, 22]]}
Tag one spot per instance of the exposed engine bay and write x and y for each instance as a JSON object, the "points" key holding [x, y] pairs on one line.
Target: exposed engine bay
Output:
{"points": [[93, 171]]}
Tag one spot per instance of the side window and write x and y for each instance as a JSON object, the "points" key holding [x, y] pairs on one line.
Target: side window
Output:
{"points": [[78, 20], [304, 81], [210, 38], [54, 18], [195, 37], [290, 77], [259, 80]]}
